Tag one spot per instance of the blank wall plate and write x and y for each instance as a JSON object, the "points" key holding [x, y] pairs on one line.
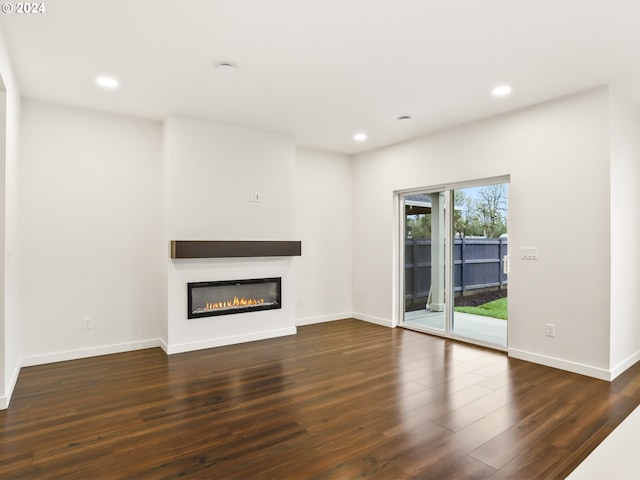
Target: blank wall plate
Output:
{"points": [[550, 330]]}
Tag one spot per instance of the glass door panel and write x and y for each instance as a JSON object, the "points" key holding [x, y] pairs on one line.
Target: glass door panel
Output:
{"points": [[425, 298], [480, 264]]}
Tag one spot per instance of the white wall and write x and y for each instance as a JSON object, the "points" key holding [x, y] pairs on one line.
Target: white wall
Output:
{"points": [[557, 155], [91, 232], [323, 223], [10, 328], [210, 168], [4, 373], [625, 232]]}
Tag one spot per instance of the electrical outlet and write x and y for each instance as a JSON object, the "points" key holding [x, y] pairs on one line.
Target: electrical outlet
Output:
{"points": [[550, 329], [301, 301], [86, 323]]}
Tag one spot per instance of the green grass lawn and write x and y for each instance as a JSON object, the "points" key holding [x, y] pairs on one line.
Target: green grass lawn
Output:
{"points": [[495, 309]]}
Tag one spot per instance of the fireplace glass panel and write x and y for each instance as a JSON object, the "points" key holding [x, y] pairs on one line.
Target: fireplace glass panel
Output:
{"points": [[206, 299]]}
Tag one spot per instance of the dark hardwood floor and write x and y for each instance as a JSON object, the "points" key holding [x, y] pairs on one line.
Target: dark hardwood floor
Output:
{"points": [[343, 400]]}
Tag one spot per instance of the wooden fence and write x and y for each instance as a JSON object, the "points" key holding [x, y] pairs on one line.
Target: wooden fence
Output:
{"points": [[478, 264]]}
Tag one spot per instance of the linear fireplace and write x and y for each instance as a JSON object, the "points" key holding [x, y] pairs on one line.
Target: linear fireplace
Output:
{"points": [[207, 299]]}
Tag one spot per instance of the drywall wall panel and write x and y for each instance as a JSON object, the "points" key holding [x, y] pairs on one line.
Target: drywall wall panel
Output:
{"points": [[324, 224], [91, 231], [625, 231]]}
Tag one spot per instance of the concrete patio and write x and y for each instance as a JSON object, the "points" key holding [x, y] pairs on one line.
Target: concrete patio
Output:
{"points": [[488, 330]]}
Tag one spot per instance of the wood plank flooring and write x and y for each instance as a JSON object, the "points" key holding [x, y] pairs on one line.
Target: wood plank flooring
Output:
{"points": [[339, 400]]}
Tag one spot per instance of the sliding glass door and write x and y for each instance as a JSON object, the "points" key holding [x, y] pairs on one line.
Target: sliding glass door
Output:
{"points": [[454, 252]]}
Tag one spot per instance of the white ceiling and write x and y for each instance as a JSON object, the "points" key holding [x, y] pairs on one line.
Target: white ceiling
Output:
{"points": [[320, 70]]}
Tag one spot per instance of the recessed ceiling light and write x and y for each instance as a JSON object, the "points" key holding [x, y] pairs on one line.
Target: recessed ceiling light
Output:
{"points": [[404, 118], [360, 137], [107, 82], [226, 68], [501, 91]]}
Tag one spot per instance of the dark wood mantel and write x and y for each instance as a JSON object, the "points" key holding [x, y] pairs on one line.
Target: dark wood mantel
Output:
{"points": [[241, 248]]}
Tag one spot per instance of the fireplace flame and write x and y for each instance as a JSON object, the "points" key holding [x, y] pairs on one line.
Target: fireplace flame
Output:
{"points": [[236, 302]]}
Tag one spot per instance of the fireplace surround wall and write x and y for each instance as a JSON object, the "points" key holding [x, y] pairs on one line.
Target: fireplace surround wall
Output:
{"points": [[185, 334]]}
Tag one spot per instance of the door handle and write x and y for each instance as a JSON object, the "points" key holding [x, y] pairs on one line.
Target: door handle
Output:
{"points": [[506, 264]]}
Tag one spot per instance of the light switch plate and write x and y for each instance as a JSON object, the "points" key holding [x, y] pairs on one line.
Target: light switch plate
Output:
{"points": [[530, 253]]}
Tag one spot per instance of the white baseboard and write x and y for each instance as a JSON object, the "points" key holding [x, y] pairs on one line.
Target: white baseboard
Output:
{"points": [[623, 365], [12, 383], [220, 342], [164, 346], [6, 399], [128, 347], [567, 365], [72, 355], [368, 318], [323, 319], [88, 352]]}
